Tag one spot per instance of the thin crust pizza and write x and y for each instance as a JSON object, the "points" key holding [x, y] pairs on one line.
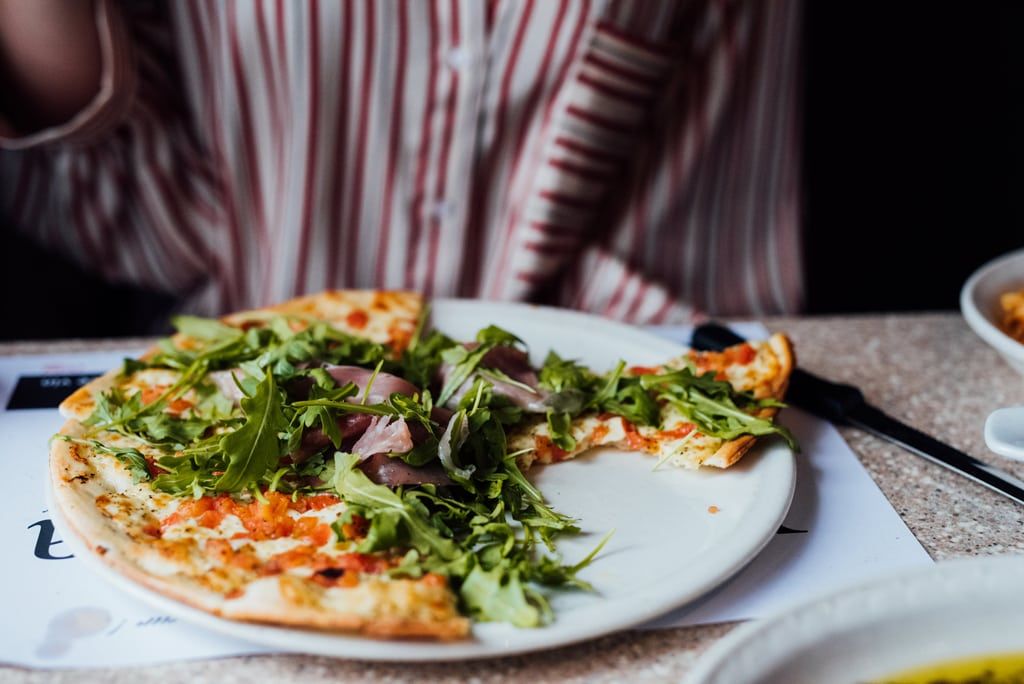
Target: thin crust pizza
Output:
{"points": [[327, 463]]}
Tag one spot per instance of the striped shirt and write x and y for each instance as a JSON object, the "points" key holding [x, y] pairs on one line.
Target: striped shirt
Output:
{"points": [[635, 159]]}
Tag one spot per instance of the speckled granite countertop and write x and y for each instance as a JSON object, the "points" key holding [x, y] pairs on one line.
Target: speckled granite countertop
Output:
{"points": [[929, 370]]}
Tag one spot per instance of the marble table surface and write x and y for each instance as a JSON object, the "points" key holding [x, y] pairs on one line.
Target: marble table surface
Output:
{"points": [[929, 370]]}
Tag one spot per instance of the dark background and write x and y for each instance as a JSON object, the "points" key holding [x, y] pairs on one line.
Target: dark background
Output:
{"points": [[913, 161], [914, 149]]}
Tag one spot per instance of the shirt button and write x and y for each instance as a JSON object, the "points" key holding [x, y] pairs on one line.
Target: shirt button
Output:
{"points": [[457, 58], [442, 209]]}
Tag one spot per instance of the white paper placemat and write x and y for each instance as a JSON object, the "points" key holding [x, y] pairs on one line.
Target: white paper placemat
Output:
{"points": [[840, 529]]}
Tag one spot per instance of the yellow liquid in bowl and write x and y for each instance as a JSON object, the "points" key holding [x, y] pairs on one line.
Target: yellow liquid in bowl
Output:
{"points": [[1003, 668]]}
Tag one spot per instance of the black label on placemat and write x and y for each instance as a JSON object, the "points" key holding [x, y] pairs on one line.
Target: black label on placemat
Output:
{"points": [[45, 391]]}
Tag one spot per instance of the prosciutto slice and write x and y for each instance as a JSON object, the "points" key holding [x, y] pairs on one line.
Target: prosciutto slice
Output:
{"points": [[384, 385], [351, 425], [512, 362], [384, 435], [224, 381], [394, 472], [516, 365], [372, 437], [387, 435]]}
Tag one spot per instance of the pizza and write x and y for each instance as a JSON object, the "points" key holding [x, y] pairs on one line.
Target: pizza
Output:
{"points": [[331, 463]]}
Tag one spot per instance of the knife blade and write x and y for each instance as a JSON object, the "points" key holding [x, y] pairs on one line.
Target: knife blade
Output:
{"points": [[845, 405]]}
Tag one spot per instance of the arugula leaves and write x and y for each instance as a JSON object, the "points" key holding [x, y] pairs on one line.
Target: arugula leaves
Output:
{"points": [[578, 389], [255, 447], [393, 522], [206, 329], [490, 563], [465, 361], [714, 406]]}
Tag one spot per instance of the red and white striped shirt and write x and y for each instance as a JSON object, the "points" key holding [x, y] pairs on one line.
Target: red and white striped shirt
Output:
{"points": [[637, 159]]}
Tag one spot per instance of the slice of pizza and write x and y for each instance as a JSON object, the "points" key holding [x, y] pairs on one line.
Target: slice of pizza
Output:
{"points": [[388, 318], [684, 432], [274, 558]]}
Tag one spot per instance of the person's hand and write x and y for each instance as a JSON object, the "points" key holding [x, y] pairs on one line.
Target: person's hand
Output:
{"points": [[51, 61]]}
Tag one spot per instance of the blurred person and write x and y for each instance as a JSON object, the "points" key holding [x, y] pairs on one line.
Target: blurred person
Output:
{"points": [[635, 159]]}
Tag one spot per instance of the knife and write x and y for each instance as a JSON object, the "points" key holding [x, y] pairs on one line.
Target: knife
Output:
{"points": [[845, 405]]}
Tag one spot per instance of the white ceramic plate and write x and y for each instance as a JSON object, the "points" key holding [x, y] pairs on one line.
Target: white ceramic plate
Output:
{"points": [[667, 549], [949, 611]]}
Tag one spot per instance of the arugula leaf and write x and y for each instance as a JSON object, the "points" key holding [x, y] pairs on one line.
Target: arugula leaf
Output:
{"points": [[550, 571], [396, 516], [131, 366], [448, 447], [206, 329], [255, 447], [610, 388], [633, 403], [714, 406], [498, 375], [493, 335], [560, 427], [498, 595], [464, 362], [113, 408], [186, 474], [160, 427], [558, 374], [132, 458]]}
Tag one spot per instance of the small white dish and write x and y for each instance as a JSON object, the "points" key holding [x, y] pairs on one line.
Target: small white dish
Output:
{"points": [[979, 303], [954, 610], [1004, 432]]}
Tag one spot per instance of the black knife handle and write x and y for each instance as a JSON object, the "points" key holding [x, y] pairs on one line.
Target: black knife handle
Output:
{"points": [[829, 400], [714, 337], [845, 404]]}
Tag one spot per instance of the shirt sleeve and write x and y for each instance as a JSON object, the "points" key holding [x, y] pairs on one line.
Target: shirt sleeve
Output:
{"points": [[125, 189], [714, 203], [117, 89]]}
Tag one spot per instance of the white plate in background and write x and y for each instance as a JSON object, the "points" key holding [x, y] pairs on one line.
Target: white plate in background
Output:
{"points": [[953, 610]]}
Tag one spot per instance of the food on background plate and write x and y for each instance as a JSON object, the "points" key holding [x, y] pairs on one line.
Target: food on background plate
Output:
{"points": [[1011, 317], [330, 463], [1006, 668]]}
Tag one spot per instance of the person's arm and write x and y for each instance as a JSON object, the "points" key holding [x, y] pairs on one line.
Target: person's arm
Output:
{"points": [[123, 188], [50, 59]]}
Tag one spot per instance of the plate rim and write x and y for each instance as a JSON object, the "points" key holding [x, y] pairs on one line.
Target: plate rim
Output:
{"points": [[651, 604], [903, 584]]}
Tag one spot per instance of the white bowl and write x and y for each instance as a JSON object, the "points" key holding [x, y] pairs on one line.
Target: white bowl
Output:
{"points": [[979, 303]]}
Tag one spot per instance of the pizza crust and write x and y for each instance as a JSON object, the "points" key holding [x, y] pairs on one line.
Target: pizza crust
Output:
{"points": [[385, 317]]}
